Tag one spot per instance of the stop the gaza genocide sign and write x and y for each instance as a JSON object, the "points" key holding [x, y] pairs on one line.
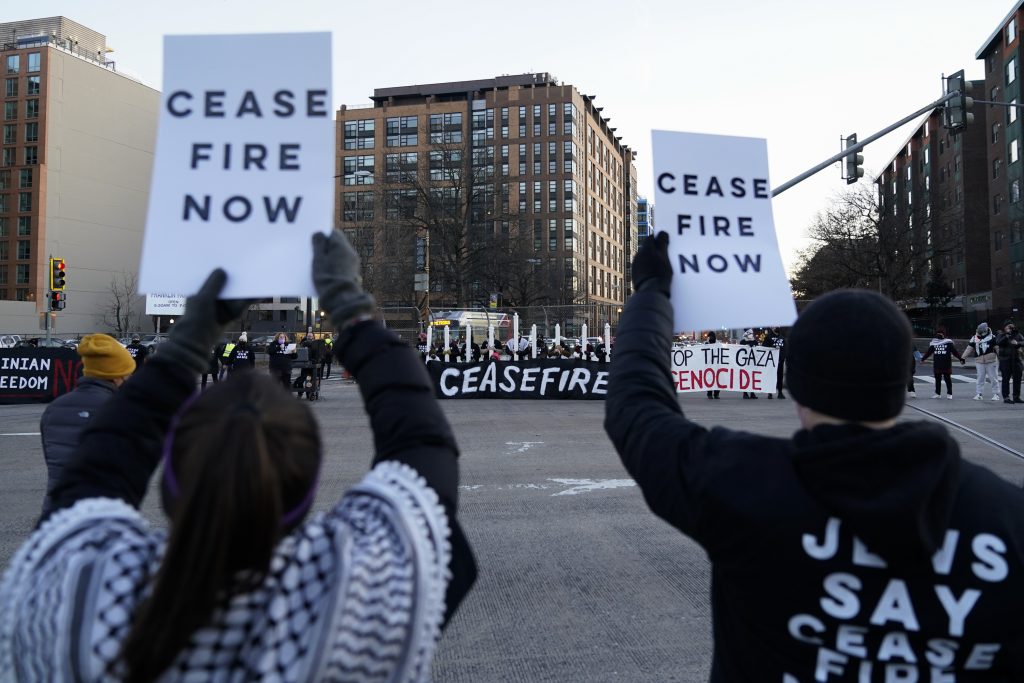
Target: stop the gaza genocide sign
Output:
{"points": [[244, 167], [714, 201]]}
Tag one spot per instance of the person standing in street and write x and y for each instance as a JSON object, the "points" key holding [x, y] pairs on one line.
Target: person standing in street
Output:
{"points": [[859, 549], [225, 349], [279, 361], [749, 339], [774, 339], [137, 351], [241, 356], [713, 339], [943, 351], [212, 369], [983, 347], [1009, 343], [105, 367]]}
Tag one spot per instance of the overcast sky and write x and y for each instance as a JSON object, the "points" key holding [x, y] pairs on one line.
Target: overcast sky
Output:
{"points": [[800, 73]]}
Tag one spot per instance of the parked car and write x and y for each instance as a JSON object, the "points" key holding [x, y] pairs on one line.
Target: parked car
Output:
{"points": [[42, 343], [260, 344], [150, 341], [9, 341]]}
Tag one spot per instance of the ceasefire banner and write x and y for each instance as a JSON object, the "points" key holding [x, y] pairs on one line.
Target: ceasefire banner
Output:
{"points": [[694, 368], [31, 375], [242, 176], [725, 367], [714, 201]]}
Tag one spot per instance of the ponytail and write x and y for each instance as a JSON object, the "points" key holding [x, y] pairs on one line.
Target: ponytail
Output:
{"points": [[224, 528]]}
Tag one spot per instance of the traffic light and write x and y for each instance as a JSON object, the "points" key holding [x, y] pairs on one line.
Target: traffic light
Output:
{"points": [[957, 112], [57, 301], [58, 274], [854, 162]]}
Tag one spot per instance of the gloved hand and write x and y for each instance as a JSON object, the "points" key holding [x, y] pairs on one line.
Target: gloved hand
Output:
{"points": [[337, 279], [194, 336], [652, 270]]}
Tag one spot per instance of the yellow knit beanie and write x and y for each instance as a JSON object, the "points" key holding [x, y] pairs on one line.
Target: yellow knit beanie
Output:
{"points": [[104, 358]]}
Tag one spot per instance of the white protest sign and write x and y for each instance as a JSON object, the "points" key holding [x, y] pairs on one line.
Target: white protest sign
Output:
{"points": [[244, 166], [165, 304], [725, 367], [714, 201]]}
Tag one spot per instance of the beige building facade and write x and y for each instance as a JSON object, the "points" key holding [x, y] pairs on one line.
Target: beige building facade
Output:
{"points": [[74, 177]]}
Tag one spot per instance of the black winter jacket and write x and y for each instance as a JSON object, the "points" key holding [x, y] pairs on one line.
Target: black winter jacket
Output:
{"points": [[859, 554], [1005, 350], [277, 358], [63, 422]]}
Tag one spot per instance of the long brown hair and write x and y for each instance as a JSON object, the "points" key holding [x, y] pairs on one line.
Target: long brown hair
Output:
{"points": [[242, 456]]}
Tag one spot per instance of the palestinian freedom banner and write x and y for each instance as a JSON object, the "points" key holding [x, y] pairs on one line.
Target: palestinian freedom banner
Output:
{"points": [[725, 367], [31, 375], [530, 379]]}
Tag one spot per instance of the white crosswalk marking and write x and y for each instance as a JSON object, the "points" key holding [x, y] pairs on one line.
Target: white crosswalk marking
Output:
{"points": [[956, 378]]}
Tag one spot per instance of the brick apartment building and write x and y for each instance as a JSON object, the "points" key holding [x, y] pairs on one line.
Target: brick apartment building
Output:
{"points": [[526, 157], [935, 188], [1001, 54]]}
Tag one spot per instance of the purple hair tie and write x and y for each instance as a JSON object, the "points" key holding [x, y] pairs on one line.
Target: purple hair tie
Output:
{"points": [[171, 482]]}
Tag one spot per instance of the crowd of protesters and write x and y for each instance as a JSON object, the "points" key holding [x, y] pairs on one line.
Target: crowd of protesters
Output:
{"points": [[514, 349]]}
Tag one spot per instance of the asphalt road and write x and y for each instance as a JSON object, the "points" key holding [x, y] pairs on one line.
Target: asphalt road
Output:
{"points": [[578, 582]]}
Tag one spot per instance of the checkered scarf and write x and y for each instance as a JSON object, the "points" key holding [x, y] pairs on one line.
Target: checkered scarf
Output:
{"points": [[354, 594]]}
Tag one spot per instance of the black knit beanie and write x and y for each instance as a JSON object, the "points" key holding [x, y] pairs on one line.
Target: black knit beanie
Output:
{"points": [[849, 356]]}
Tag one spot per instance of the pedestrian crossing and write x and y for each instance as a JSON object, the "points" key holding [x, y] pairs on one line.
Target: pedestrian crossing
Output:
{"points": [[930, 379]]}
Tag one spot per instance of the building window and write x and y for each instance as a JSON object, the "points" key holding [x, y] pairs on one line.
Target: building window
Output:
{"points": [[24, 226], [357, 206], [33, 62], [401, 168], [25, 179], [995, 132], [10, 133], [31, 109], [1018, 271], [1011, 71], [24, 250], [358, 170], [21, 294], [21, 274], [1011, 111], [24, 202], [1015, 190], [13, 64], [12, 87], [31, 155], [1011, 31], [359, 134], [446, 129], [10, 111], [1013, 152], [997, 240], [402, 131], [32, 132], [32, 85], [997, 164], [997, 203], [5, 180]]}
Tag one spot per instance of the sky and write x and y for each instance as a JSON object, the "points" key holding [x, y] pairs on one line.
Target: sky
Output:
{"points": [[800, 73]]}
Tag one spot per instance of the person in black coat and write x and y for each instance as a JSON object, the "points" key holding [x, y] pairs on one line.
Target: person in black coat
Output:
{"points": [[106, 365], [279, 360], [241, 357], [858, 538], [774, 339], [713, 393], [1008, 349]]}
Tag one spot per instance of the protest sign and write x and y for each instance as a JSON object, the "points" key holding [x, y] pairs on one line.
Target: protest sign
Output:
{"points": [[714, 201], [244, 163], [529, 379], [31, 375], [165, 304], [725, 367]]}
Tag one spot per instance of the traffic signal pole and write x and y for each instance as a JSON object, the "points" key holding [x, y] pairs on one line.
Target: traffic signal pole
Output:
{"points": [[861, 145]]}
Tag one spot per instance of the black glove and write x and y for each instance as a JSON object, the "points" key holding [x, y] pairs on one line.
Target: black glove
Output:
{"points": [[338, 282], [652, 270], [203, 324]]}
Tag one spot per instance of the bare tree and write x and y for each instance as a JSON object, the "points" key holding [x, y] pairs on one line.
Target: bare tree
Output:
{"points": [[122, 312], [861, 243]]}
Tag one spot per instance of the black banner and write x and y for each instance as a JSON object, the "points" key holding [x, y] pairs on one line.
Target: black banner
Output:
{"points": [[30, 375], [530, 379]]}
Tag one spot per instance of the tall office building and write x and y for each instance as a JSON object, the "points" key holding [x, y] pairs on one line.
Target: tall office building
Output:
{"points": [[78, 139], [435, 180]]}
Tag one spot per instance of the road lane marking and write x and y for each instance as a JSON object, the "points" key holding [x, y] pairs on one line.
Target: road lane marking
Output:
{"points": [[22, 434]]}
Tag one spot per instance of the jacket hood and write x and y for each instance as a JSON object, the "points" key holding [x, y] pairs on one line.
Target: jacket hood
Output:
{"points": [[893, 487]]}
